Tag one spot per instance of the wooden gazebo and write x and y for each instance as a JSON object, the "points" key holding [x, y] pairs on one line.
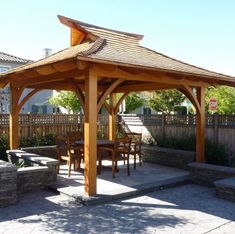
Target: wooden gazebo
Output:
{"points": [[100, 63]]}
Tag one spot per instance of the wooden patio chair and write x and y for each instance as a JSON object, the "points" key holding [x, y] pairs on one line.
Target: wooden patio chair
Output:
{"points": [[72, 137], [135, 146], [75, 135], [68, 152], [120, 152]]}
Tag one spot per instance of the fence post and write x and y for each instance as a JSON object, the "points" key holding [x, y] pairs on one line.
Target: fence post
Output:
{"points": [[216, 127], [30, 125], [163, 125]]}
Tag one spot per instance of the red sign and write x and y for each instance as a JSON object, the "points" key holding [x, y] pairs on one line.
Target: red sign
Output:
{"points": [[213, 104]]}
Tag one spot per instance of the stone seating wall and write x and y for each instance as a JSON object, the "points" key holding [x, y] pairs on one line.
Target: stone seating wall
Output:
{"points": [[15, 181], [168, 157]]}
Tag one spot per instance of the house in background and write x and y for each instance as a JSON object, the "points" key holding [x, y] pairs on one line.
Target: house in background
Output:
{"points": [[37, 103]]}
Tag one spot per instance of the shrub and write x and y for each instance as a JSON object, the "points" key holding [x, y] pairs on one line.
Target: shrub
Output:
{"points": [[48, 139], [215, 153], [183, 143], [4, 146]]}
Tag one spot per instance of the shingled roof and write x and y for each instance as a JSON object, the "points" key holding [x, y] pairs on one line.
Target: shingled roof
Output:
{"points": [[115, 47], [11, 58]]}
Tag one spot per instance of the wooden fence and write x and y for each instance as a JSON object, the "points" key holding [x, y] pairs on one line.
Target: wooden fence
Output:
{"points": [[219, 128], [41, 124]]}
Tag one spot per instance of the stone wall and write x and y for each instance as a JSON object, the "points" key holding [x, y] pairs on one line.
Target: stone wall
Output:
{"points": [[33, 178], [15, 181], [46, 151], [225, 188], [207, 174], [8, 188], [167, 157]]}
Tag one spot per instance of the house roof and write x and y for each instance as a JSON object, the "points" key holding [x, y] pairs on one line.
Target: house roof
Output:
{"points": [[11, 58], [109, 46]]}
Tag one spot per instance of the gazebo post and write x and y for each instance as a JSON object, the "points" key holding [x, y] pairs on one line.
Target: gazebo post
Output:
{"points": [[90, 134], [14, 117], [200, 128], [112, 117]]}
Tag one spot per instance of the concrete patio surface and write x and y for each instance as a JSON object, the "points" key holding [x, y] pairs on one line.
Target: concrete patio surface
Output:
{"points": [[146, 178], [184, 209]]}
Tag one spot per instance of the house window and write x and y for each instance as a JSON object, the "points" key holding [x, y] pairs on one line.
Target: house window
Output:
{"points": [[147, 111], [39, 109]]}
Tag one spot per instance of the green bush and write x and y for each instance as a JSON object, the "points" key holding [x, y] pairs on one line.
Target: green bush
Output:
{"points": [[215, 153], [183, 143], [4, 146], [48, 139]]}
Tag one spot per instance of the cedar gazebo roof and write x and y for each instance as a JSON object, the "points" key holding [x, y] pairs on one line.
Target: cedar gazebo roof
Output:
{"points": [[100, 63], [106, 46]]}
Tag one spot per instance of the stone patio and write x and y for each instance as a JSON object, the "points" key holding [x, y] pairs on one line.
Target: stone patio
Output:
{"points": [[184, 209], [146, 178]]}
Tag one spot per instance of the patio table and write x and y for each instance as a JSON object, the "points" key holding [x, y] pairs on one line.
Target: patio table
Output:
{"points": [[100, 143], [106, 143]]}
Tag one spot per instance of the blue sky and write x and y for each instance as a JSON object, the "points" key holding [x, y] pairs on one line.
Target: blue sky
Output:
{"points": [[198, 32]]}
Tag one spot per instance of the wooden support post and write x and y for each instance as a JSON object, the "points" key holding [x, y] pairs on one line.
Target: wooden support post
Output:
{"points": [[200, 128], [90, 134], [14, 118], [112, 117]]}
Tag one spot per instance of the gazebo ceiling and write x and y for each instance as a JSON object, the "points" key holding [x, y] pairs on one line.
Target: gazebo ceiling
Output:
{"points": [[112, 54]]}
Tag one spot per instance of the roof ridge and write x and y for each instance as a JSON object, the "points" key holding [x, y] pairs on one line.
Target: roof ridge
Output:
{"points": [[84, 24], [180, 61], [98, 45]]}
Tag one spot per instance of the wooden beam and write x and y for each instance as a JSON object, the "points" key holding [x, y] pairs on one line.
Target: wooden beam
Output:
{"points": [[78, 92], [203, 78], [45, 70], [187, 91], [82, 65], [145, 76], [112, 118], [76, 36], [55, 85], [107, 92], [119, 102], [14, 117], [143, 87], [65, 66], [26, 98], [200, 128], [58, 76], [90, 134]]}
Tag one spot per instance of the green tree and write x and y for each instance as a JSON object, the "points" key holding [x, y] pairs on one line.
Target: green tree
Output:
{"points": [[133, 101], [165, 100], [225, 99], [66, 99]]}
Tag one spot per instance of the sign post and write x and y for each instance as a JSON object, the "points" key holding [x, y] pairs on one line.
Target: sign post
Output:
{"points": [[213, 104]]}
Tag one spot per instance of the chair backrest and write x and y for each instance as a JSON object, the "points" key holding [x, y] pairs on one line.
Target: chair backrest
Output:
{"points": [[135, 137], [74, 136], [123, 144], [61, 145]]}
